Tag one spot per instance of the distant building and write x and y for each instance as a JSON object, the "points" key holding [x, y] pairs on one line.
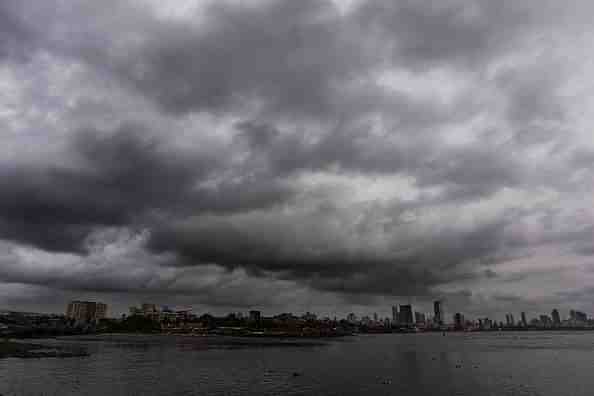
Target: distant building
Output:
{"points": [[577, 317], [509, 320], [556, 317], [395, 318], [419, 318], [485, 323], [255, 316], [86, 311], [351, 318], [406, 314], [438, 312], [524, 321], [458, 321], [309, 317], [545, 320], [148, 308]]}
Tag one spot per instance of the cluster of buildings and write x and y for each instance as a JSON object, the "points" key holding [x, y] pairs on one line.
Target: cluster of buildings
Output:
{"points": [[404, 318], [86, 311], [162, 314], [237, 323], [31, 324], [85, 316], [576, 320]]}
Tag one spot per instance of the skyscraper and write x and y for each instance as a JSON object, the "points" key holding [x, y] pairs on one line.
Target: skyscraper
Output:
{"points": [[458, 321], [437, 309], [577, 316], [524, 321], [406, 314], [555, 316], [395, 319]]}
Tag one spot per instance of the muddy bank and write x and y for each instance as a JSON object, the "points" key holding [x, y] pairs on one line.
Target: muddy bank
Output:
{"points": [[27, 351]]}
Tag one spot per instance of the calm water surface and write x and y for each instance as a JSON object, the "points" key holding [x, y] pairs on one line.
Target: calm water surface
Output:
{"points": [[407, 364]]}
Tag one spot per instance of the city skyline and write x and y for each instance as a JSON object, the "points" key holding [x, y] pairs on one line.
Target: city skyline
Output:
{"points": [[332, 156], [404, 314]]}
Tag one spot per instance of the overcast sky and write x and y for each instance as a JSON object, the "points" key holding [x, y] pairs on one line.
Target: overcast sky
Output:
{"points": [[293, 155]]}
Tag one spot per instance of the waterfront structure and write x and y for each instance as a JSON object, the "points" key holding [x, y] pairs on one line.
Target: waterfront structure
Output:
{"points": [[86, 311], [438, 312]]}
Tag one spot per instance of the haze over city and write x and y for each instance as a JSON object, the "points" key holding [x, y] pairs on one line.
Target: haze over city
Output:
{"points": [[294, 156]]}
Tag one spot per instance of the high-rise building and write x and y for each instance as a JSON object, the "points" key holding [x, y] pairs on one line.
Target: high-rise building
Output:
{"points": [[556, 317], [459, 321], [437, 310], [419, 318], [395, 318], [524, 321], [86, 311], [577, 316], [406, 314], [509, 320]]}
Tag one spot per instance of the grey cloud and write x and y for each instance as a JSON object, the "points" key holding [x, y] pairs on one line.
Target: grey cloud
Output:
{"points": [[424, 33], [319, 255], [17, 39], [119, 177], [290, 91], [287, 54]]}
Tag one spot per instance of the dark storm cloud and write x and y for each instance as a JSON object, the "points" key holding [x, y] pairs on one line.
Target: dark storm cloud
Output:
{"points": [[296, 58], [17, 39], [290, 55], [389, 148], [118, 177], [464, 173], [320, 259], [424, 33], [507, 298]]}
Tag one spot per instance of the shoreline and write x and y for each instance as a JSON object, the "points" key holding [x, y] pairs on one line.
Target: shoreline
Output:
{"points": [[25, 350]]}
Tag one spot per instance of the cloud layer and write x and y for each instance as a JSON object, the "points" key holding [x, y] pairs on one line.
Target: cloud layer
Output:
{"points": [[289, 155]]}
